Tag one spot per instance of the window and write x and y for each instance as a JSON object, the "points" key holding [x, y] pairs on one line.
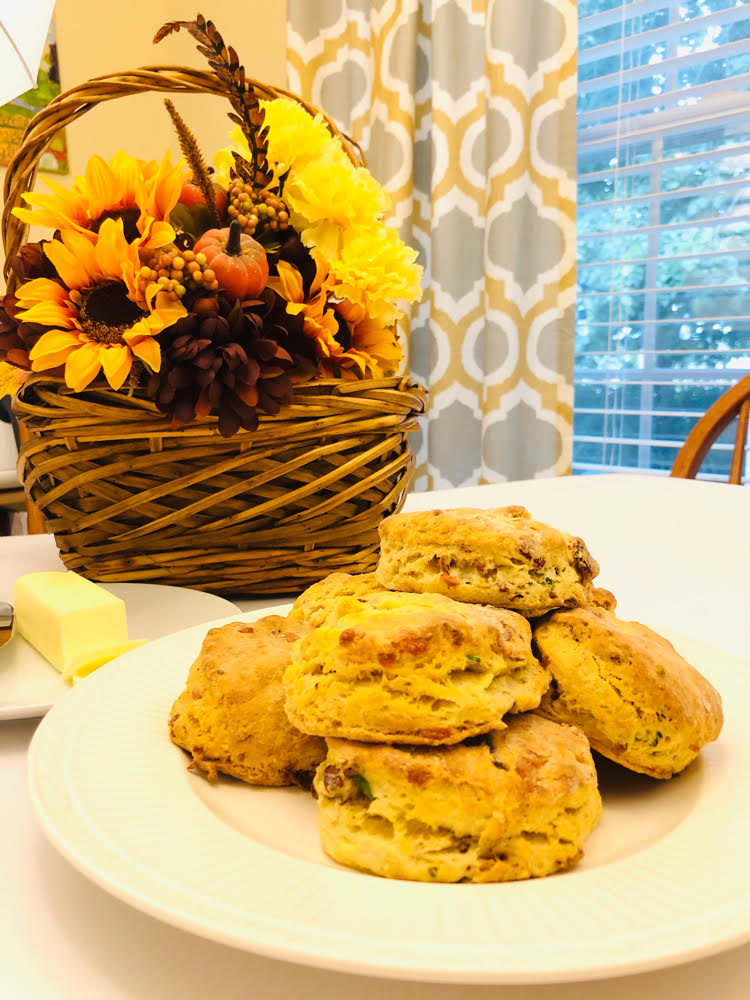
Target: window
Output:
{"points": [[663, 313]]}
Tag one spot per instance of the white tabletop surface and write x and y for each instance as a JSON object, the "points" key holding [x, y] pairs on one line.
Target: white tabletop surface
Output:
{"points": [[677, 556]]}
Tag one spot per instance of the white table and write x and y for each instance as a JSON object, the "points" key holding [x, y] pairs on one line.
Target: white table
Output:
{"points": [[676, 554]]}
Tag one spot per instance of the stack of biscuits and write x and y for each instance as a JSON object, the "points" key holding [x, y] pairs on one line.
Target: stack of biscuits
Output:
{"points": [[447, 703]]}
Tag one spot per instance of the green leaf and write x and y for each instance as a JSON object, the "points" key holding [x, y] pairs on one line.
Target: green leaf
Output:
{"points": [[363, 785]]}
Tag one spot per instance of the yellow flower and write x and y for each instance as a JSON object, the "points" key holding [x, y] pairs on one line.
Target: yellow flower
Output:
{"points": [[224, 160], [374, 268], [98, 322], [337, 209], [141, 193], [328, 196], [294, 135]]}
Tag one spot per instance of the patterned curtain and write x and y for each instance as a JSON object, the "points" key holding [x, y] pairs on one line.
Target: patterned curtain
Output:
{"points": [[466, 112]]}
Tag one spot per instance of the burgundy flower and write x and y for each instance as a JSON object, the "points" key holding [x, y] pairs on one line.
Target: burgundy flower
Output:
{"points": [[16, 338], [31, 262], [218, 360]]}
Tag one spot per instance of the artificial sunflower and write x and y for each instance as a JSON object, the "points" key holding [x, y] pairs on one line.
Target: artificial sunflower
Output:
{"points": [[142, 194], [365, 347], [348, 342], [97, 319], [318, 320]]}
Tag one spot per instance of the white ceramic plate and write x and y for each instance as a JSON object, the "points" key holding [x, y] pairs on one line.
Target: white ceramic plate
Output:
{"points": [[664, 878], [29, 686]]}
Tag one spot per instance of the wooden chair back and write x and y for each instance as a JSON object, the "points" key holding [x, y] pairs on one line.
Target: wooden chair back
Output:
{"points": [[733, 404]]}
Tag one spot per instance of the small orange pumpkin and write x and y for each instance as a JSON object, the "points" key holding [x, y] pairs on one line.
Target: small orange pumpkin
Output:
{"points": [[238, 261]]}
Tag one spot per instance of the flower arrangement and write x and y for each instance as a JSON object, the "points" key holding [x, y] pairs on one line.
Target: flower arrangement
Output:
{"points": [[212, 291]]}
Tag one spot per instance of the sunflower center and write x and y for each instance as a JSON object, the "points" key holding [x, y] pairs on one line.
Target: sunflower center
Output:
{"points": [[344, 336], [106, 312], [129, 218]]}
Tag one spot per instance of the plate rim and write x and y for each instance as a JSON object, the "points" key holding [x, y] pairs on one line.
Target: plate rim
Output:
{"points": [[334, 958], [10, 712]]}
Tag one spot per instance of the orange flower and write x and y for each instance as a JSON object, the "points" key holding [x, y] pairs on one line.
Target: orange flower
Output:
{"points": [[140, 193], [372, 349], [99, 322], [319, 322]]}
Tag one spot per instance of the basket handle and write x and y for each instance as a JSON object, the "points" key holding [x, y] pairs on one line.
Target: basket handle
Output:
{"points": [[72, 104]]}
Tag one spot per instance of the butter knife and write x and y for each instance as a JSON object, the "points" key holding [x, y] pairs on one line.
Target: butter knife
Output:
{"points": [[6, 622]]}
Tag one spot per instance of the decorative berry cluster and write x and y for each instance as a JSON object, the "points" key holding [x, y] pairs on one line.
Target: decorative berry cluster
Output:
{"points": [[177, 271], [257, 211]]}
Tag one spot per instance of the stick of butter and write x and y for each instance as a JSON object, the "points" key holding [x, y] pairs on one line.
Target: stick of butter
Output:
{"points": [[65, 616]]}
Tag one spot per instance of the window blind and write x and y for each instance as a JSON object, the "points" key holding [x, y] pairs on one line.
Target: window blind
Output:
{"points": [[663, 304]]}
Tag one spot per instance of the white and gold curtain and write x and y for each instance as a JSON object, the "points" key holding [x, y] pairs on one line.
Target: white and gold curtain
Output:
{"points": [[466, 112]]}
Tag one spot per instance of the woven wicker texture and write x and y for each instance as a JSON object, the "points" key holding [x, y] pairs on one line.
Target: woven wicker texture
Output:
{"points": [[129, 498], [269, 512]]}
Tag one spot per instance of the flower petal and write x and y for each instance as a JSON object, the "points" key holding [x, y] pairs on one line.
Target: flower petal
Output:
{"points": [[41, 290], [160, 192], [73, 259], [53, 342], [49, 314], [46, 302], [59, 210], [101, 186], [289, 282], [155, 235], [168, 310], [116, 362], [83, 366], [148, 351], [50, 361], [114, 256]]}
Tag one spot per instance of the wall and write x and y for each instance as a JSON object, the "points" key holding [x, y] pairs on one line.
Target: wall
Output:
{"points": [[106, 36]]}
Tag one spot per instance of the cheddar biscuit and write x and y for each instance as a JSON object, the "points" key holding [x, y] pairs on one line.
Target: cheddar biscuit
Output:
{"points": [[316, 603], [602, 598], [501, 557], [638, 701], [231, 718], [413, 668], [513, 804]]}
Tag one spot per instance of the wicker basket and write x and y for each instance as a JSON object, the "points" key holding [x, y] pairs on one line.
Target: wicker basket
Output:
{"points": [[129, 498]]}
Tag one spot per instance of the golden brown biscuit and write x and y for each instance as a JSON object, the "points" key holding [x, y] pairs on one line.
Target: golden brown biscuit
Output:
{"points": [[413, 668], [602, 598], [638, 701], [231, 716], [315, 604], [500, 557], [514, 804]]}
